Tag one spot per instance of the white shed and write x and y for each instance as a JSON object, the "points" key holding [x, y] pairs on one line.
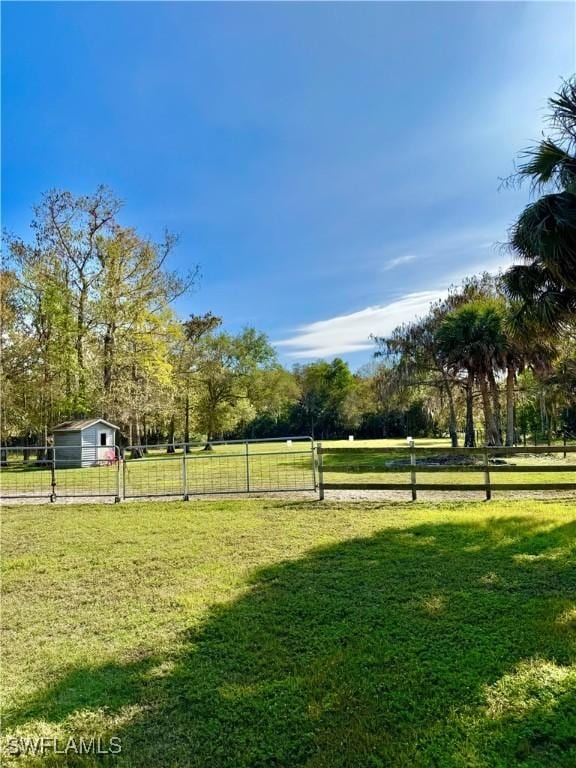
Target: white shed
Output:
{"points": [[84, 443]]}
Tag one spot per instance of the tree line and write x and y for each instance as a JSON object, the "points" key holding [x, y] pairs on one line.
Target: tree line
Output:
{"points": [[88, 328]]}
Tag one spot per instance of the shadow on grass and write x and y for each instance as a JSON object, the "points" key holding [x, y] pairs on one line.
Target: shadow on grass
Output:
{"points": [[436, 645]]}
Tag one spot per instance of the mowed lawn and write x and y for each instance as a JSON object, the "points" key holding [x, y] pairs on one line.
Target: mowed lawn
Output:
{"points": [[285, 633]]}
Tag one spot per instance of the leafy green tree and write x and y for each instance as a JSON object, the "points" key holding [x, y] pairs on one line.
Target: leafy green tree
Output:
{"points": [[325, 388], [273, 389], [361, 398], [16, 352], [225, 373], [132, 287], [194, 330], [68, 231], [95, 325]]}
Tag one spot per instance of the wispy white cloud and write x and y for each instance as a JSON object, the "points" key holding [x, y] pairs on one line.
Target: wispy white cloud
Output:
{"points": [[351, 333], [343, 334], [451, 245], [398, 261]]}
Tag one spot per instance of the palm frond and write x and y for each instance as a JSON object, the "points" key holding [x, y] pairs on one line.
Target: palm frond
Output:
{"points": [[546, 232], [563, 109], [545, 164]]}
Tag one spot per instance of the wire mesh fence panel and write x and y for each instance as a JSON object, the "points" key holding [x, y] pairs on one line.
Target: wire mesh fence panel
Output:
{"points": [[216, 473], [87, 471], [155, 474], [282, 471], [246, 471], [26, 472], [219, 467]]}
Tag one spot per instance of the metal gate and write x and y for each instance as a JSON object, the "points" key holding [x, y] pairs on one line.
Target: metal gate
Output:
{"points": [[43, 471], [219, 467]]}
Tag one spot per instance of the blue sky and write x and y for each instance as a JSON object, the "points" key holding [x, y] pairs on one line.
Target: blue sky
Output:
{"points": [[331, 167]]}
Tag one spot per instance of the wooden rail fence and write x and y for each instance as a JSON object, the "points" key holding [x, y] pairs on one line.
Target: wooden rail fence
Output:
{"points": [[485, 467]]}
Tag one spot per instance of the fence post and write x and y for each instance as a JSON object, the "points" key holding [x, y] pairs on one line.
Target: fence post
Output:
{"points": [[118, 456], [487, 485], [185, 496], [52, 473], [123, 459], [320, 472], [247, 469], [413, 470], [314, 467]]}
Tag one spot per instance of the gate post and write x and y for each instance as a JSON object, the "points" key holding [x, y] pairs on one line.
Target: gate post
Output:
{"points": [[314, 465], [413, 469], [185, 496], [123, 460], [118, 457], [320, 472], [52, 473]]}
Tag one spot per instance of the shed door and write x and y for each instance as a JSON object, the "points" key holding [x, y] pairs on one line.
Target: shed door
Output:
{"points": [[102, 445]]}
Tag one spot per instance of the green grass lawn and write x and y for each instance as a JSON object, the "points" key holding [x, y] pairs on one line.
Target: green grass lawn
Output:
{"points": [[270, 633]]}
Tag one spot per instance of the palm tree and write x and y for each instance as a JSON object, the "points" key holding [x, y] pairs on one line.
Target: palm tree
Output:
{"points": [[529, 345], [544, 236], [472, 339]]}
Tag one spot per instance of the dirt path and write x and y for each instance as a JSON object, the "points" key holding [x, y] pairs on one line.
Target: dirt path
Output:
{"points": [[345, 496]]}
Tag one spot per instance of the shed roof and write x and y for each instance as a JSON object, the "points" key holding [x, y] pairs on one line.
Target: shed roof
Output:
{"points": [[80, 424]]}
